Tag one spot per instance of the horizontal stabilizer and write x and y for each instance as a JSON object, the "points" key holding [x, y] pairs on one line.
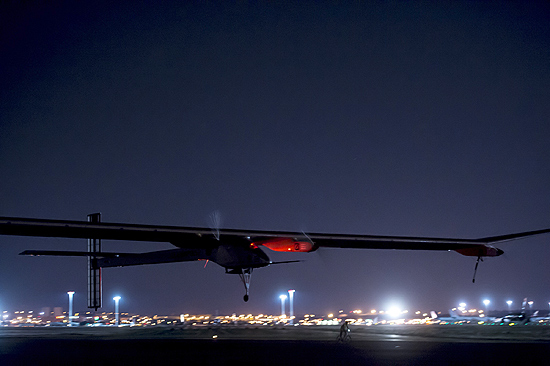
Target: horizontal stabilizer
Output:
{"points": [[282, 262], [69, 253], [106, 259]]}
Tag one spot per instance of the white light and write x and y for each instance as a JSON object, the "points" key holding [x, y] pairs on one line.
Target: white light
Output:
{"points": [[283, 298], [70, 293], [291, 305], [393, 311], [509, 302], [486, 302], [117, 320]]}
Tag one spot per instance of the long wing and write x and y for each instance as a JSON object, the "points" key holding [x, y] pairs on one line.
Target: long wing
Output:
{"points": [[204, 237]]}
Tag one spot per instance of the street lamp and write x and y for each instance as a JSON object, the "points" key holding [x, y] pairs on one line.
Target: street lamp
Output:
{"points": [[70, 293], [283, 298], [530, 306], [117, 299], [291, 305], [509, 302]]}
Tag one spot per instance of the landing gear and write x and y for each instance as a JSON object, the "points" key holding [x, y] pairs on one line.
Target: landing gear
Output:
{"points": [[245, 275], [475, 269]]}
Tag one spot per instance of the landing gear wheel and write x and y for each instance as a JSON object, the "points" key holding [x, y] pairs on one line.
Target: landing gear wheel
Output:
{"points": [[245, 275]]}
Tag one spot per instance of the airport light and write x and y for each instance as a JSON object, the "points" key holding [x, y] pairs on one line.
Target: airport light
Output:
{"points": [[283, 298], [70, 293], [393, 311], [291, 305], [117, 299], [509, 302]]}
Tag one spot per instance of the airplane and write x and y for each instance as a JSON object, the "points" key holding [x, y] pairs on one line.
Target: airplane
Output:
{"points": [[524, 316], [516, 318], [536, 318], [456, 318], [238, 251]]}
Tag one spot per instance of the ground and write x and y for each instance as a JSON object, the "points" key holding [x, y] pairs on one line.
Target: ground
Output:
{"points": [[316, 345]]}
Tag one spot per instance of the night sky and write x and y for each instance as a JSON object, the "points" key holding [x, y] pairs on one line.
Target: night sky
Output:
{"points": [[398, 118]]}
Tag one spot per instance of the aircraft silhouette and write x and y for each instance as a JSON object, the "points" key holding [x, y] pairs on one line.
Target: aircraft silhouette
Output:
{"points": [[238, 251]]}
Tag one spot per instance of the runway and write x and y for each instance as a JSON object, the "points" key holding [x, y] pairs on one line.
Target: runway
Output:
{"points": [[409, 345]]}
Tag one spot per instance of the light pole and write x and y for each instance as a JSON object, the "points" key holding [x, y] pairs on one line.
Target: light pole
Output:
{"points": [[283, 298], [291, 305], [486, 303], [509, 302], [70, 293], [116, 298], [530, 307]]}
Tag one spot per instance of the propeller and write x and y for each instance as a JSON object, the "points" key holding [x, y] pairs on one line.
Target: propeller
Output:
{"points": [[215, 223], [320, 252]]}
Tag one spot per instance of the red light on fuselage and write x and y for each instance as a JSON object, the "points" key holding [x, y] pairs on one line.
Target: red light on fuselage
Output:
{"points": [[286, 245]]}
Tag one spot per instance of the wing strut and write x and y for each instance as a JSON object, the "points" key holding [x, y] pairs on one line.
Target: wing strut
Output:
{"points": [[94, 272]]}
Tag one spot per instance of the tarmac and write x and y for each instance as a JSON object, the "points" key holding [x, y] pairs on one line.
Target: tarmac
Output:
{"points": [[266, 345]]}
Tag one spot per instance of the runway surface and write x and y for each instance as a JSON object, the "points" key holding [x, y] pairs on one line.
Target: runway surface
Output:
{"points": [[381, 345]]}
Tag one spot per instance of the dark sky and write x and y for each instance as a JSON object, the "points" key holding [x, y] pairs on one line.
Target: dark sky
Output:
{"points": [[394, 118]]}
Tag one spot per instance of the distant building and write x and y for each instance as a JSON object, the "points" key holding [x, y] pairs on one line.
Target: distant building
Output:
{"points": [[46, 313], [57, 311]]}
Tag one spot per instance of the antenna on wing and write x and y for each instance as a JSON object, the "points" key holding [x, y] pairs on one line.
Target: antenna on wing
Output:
{"points": [[215, 223]]}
